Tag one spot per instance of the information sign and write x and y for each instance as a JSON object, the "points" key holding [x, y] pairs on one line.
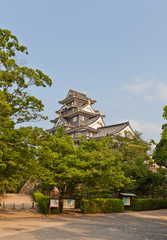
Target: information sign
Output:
{"points": [[54, 203], [126, 201], [68, 204]]}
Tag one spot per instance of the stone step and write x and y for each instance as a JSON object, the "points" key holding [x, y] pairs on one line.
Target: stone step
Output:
{"points": [[20, 202]]}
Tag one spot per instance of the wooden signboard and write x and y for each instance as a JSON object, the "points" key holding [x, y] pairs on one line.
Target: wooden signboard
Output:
{"points": [[68, 204], [54, 203]]}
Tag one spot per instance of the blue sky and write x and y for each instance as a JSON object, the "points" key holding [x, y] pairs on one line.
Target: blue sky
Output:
{"points": [[116, 50]]}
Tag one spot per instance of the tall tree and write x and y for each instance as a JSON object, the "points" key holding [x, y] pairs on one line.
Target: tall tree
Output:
{"points": [[160, 153], [86, 169], [18, 149], [132, 147], [135, 156], [16, 79], [18, 146]]}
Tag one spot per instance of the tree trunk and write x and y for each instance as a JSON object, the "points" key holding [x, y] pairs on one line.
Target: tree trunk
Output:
{"points": [[60, 204]]}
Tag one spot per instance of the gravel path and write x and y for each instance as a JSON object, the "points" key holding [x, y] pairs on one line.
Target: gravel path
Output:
{"points": [[149, 225]]}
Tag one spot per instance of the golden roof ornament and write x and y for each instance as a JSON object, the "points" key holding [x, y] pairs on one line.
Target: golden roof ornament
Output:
{"points": [[85, 92], [70, 89], [89, 101], [60, 114], [100, 113]]}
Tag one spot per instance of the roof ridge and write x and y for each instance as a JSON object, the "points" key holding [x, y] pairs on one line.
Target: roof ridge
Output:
{"points": [[113, 125]]}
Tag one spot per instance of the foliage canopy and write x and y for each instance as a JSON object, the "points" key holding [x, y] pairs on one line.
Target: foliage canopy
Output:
{"points": [[15, 80]]}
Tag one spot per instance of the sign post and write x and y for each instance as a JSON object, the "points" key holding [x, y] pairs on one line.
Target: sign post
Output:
{"points": [[127, 199], [69, 204], [54, 203]]}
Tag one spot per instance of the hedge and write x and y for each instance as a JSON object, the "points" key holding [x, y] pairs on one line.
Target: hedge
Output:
{"points": [[102, 205], [37, 195], [148, 204], [43, 201]]}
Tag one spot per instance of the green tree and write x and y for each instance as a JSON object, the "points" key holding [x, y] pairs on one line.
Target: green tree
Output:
{"points": [[18, 159], [160, 153], [131, 147], [18, 154], [103, 167], [82, 170], [144, 182], [15, 80], [135, 156]]}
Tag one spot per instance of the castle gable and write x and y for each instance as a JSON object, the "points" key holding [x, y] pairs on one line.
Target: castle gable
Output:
{"points": [[97, 123], [59, 122], [88, 108]]}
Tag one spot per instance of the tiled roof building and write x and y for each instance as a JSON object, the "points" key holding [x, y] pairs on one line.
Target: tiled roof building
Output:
{"points": [[79, 118]]}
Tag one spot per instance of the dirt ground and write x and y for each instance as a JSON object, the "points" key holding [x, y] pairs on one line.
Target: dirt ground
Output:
{"points": [[148, 225], [30, 224]]}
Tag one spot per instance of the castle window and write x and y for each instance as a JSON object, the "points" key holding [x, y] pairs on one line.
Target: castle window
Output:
{"points": [[91, 134], [74, 119], [82, 118]]}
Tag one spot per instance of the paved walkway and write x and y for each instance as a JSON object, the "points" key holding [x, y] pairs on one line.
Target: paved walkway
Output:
{"points": [[148, 225], [17, 202]]}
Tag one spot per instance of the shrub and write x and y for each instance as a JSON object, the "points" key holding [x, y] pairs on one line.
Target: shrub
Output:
{"points": [[117, 205], [78, 203], [43, 201], [102, 205], [148, 204], [37, 194]]}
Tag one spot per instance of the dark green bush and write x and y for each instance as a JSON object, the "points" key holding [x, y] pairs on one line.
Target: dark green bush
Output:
{"points": [[102, 205], [78, 203], [43, 201], [37, 194], [148, 204], [117, 205]]}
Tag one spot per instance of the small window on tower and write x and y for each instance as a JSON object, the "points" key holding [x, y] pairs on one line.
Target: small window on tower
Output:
{"points": [[74, 119], [82, 118]]}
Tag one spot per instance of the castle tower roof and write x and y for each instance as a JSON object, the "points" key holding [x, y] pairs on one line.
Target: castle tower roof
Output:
{"points": [[76, 95]]}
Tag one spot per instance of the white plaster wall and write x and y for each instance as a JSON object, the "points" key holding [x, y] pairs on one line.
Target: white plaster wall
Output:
{"points": [[127, 129], [98, 123], [59, 122], [88, 108]]}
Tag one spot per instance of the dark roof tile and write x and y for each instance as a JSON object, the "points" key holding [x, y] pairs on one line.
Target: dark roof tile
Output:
{"points": [[111, 130]]}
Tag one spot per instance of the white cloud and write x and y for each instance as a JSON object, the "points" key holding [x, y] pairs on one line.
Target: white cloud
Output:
{"points": [[150, 130], [146, 126], [150, 89], [137, 87]]}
